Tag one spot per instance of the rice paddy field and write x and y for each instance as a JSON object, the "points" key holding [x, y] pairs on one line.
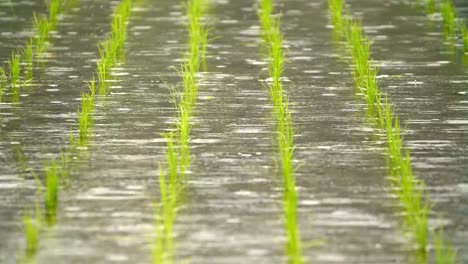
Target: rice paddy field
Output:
{"points": [[233, 131]]}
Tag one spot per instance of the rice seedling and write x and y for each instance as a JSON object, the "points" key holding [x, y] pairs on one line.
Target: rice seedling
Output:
{"points": [[51, 173], [449, 16], [431, 6], [3, 82], [409, 190], [464, 33], [15, 69], [55, 8], [32, 229], [273, 40], [104, 65], [336, 14], [65, 162], [42, 28], [21, 159], [119, 27], [163, 246], [443, 250], [28, 56], [14, 75], [111, 50], [85, 116]]}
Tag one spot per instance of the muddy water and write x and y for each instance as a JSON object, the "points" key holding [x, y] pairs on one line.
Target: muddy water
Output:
{"points": [[233, 214]]}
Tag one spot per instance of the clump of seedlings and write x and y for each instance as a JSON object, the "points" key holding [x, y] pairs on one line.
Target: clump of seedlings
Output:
{"points": [[172, 179], [449, 15], [86, 115], [273, 42], [111, 50], [454, 27], [42, 27], [21, 159], [336, 11], [32, 228], [409, 190], [51, 192], [170, 189], [431, 6], [14, 75], [15, 70], [28, 56], [3, 82], [55, 9], [443, 250]]}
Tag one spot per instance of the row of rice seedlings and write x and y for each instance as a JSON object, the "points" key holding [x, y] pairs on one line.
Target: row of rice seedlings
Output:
{"points": [[408, 189], [172, 180], [20, 65], [273, 42], [56, 172], [455, 29]]}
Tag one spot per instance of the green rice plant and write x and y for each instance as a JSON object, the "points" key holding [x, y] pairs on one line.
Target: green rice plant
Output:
{"points": [[3, 82], [55, 8], [15, 75], [365, 75], [449, 17], [28, 56], [32, 229], [42, 28], [335, 8], [119, 26], [84, 120], [273, 40], [111, 50], [51, 174], [185, 109], [15, 69], [464, 33], [104, 65], [172, 161], [431, 7], [85, 116], [443, 250], [21, 159], [163, 245], [65, 162], [198, 34]]}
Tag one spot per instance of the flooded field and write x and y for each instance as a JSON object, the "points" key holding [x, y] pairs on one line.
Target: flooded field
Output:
{"points": [[233, 131]]}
